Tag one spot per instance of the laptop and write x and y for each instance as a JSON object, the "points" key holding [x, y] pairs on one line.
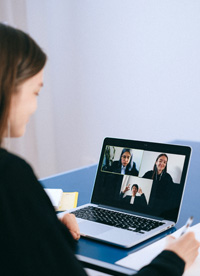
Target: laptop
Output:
{"points": [[137, 192]]}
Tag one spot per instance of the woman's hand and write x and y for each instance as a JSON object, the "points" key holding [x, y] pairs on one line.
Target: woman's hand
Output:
{"points": [[126, 189], [69, 220], [186, 247], [140, 191]]}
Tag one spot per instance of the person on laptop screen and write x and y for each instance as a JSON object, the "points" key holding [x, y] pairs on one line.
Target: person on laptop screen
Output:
{"points": [[33, 240], [137, 202], [124, 165], [163, 186], [159, 172]]}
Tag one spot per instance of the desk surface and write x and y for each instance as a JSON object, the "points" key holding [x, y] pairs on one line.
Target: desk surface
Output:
{"points": [[101, 256]]}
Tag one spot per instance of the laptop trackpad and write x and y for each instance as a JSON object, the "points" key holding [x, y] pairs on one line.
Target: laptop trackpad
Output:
{"points": [[93, 229]]}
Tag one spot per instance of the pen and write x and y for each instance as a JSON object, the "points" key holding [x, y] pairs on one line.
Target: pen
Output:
{"points": [[187, 225]]}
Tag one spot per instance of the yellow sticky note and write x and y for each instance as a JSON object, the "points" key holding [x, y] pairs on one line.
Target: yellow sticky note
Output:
{"points": [[68, 201]]}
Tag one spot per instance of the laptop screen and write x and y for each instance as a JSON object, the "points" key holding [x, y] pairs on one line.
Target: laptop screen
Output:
{"points": [[142, 177]]}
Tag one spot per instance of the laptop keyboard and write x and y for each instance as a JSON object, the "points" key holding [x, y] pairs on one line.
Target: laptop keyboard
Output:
{"points": [[120, 220]]}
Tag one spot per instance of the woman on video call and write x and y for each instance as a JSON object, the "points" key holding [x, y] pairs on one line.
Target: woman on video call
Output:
{"points": [[33, 240], [159, 172], [125, 164], [161, 198]]}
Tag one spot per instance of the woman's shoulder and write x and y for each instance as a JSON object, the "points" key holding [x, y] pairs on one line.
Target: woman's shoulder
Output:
{"points": [[168, 176], [115, 164], [18, 178], [12, 162], [14, 169], [6, 156], [148, 174]]}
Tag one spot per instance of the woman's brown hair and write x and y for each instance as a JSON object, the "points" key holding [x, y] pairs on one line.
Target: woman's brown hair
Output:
{"points": [[20, 59]]}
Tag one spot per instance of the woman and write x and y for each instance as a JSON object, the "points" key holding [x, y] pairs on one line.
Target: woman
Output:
{"points": [[159, 172], [123, 165], [33, 241], [162, 199]]}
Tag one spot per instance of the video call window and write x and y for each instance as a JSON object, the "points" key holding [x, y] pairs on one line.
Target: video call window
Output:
{"points": [[160, 163], [141, 180], [144, 186], [122, 160]]}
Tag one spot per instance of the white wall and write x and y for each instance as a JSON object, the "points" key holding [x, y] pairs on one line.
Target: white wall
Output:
{"points": [[122, 68]]}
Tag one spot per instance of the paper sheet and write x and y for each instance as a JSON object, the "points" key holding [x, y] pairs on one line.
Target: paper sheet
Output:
{"points": [[144, 256], [55, 196], [68, 201]]}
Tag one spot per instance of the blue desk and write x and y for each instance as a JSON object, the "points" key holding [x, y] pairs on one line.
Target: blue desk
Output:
{"points": [[101, 256]]}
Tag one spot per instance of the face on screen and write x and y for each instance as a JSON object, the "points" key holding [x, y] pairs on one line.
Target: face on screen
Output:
{"points": [[161, 163], [125, 158]]}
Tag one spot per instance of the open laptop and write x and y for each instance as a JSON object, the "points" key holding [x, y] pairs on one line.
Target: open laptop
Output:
{"points": [[137, 192]]}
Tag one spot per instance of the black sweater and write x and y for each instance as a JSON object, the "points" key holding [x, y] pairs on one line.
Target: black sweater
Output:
{"points": [[33, 241]]}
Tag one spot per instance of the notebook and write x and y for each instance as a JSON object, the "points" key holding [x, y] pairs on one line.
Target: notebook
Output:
{"points": [[137, 192], [62, 201]]}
